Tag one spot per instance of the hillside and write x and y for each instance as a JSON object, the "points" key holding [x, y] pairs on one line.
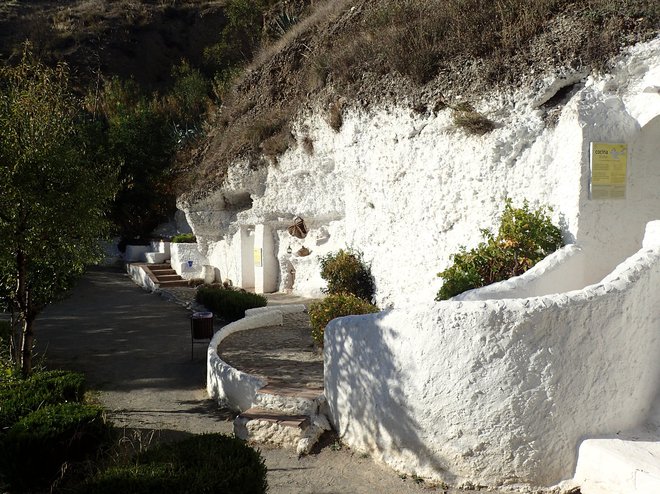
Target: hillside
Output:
{"points": [[129, 38], [421, 54]]}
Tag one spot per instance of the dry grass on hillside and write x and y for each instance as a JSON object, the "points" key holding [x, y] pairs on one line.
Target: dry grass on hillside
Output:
{"points": [[364, 51]]}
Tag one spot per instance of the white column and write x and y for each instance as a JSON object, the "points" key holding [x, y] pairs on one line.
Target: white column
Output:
{"points": [[265, 262]]}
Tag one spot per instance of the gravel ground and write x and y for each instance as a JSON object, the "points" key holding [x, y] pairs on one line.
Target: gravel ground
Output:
{"points": [[135, 349]]}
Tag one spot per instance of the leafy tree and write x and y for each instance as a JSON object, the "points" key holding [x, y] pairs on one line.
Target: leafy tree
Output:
{"points": [[54, 191], [140, 139], [188, 99]]}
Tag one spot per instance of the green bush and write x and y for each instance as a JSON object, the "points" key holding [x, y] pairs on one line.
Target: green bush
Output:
{"points": [[34, 450], [184, 238], [20, 398], [228, 303], [333, 306], [524, 238], [346, 272], [207, 463]]}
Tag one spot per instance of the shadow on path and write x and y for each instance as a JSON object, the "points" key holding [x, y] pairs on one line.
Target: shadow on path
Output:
{"points": [[134, 348]]}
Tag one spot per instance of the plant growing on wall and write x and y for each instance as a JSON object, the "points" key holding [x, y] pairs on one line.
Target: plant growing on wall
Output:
{"points": [[346, 272], [55, 189], [525, 237]]}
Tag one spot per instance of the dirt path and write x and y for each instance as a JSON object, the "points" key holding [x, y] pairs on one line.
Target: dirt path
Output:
{"points": [[135, 349]]}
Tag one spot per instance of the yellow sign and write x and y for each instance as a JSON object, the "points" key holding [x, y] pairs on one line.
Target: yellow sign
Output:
{"points": [[608, 170], [257, 258]]}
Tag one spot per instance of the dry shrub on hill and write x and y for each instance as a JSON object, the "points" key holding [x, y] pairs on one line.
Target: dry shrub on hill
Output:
{"points": [[373, 51]]}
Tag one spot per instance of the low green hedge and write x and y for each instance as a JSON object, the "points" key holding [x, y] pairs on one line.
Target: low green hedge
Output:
{"points": [[207, 463], [228, 303], [34, 450], [334, 306], [20, 398]]}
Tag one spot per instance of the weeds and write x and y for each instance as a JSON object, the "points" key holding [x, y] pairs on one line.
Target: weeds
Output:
{"points": [[335, 117], [473, 122], [464, 47]]}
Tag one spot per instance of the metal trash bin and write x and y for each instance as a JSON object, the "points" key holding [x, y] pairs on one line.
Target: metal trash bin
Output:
{"points": [[201, 328]]}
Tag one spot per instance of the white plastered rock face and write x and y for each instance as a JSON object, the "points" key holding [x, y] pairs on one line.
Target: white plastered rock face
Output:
{"points": [[408, 190]]}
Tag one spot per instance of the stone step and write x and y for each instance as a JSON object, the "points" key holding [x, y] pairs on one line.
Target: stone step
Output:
{"points": [[161, 265], [168, 277], [615, 466], [174, 283], [289, 399], [159, 271], [296, 431]]}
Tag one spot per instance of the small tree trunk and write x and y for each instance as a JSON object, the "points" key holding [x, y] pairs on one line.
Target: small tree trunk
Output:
{"points": [[26, 348], [26, 318]]}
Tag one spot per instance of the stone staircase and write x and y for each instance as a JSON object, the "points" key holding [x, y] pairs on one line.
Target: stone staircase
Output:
{"points": [[164, 276], [286, 416]]}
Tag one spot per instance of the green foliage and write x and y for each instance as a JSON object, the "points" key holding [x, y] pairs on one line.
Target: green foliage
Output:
{"points": [[188, 101], [228, 303], [207, 463], [140, 140], [21, 397], [346, 272], [525, 237], [184, 238], [240, 36], [55, 189], [333, 306], [36, 448]]}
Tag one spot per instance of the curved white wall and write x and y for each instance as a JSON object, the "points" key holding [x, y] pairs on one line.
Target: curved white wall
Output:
{"points": [[229, 386], [500, 391]]}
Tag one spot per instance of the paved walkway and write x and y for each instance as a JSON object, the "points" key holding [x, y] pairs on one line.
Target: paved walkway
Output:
{"points": [[289, 359], [135, 349]]}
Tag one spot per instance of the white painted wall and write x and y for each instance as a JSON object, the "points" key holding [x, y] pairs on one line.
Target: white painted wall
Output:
{"points": [[135, 253], [408, 190], [499, 391], [181, 253]]}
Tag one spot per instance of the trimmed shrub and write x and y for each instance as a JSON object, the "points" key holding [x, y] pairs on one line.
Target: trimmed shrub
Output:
{"points": [[184, 238], [207, 463], [34, 450], [334, 306], [228, 303], [346, 272], [524, 238], [20, 398]]}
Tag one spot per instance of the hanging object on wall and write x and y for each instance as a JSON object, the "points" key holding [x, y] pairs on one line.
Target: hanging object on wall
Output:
{"points": [[303, 252], [298, 229]]}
